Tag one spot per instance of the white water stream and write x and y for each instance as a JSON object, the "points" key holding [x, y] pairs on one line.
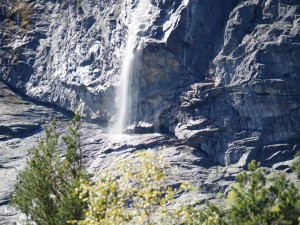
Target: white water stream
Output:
{"points": [[124, 91]]}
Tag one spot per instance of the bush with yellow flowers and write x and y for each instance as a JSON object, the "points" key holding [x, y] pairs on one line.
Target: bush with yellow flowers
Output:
{"points": [[137, 192]]}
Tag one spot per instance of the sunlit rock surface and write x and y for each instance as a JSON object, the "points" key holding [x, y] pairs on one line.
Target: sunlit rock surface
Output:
{"points": [[71, 55]]}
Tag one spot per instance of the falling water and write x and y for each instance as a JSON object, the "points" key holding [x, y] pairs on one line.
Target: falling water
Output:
{"points": [[125, 91]]}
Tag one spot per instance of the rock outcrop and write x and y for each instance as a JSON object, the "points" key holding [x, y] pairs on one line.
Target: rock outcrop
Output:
{"points": [[251, 110], [71, 55]]}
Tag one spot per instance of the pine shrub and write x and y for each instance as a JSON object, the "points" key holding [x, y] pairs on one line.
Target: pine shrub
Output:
{"points": [[256, 199], [45, 190]]}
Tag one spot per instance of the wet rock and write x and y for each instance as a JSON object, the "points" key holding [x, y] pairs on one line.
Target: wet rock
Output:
{"points": [[140, 128], [71, 55]]}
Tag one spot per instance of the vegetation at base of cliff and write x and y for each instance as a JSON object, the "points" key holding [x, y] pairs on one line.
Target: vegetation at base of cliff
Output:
{"points": [[138, 194], [135, 192], [296, 164], [257, 199], [54, 190], [44, 191], [78, 3]]}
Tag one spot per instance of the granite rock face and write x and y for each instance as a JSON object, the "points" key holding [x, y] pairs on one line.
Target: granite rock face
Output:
{"points": [[221, 76], [71, 55], [253, 102]]}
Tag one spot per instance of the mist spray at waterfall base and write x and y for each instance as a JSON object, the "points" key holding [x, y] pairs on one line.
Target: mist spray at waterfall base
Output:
{"points": [[126, 92]]}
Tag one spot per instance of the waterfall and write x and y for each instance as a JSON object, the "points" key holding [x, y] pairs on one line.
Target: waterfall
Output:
{"points": [[124, 98]]}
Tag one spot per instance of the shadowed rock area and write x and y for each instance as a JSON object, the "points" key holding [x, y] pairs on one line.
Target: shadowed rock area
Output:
{"points": [[251, 110]]}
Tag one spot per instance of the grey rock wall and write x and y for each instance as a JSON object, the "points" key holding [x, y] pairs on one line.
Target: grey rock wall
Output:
{"points": [[222, 76], [253, 102], [71, 55]]}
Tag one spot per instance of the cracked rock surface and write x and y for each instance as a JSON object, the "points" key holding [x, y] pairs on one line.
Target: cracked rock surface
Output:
{"points": [[251, 110], [222, 76]]}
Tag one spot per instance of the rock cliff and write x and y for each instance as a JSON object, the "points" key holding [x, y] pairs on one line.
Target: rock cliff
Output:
{"points": [[218, 79], [222, 76], [251, 110], [70, 54]]}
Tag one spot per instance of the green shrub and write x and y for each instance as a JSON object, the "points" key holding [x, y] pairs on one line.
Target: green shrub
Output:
{"points": [[296, 164], [257, 199], [45, 190], [78, 3], [56, 191]]}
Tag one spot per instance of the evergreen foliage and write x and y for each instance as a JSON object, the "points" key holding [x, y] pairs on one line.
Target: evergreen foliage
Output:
{"points": [[256, 199], [45, 190], [55, 190], [296, 164]]}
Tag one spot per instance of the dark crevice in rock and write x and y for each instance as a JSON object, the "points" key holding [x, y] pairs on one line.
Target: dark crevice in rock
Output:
{"points": [[67, 113]]}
